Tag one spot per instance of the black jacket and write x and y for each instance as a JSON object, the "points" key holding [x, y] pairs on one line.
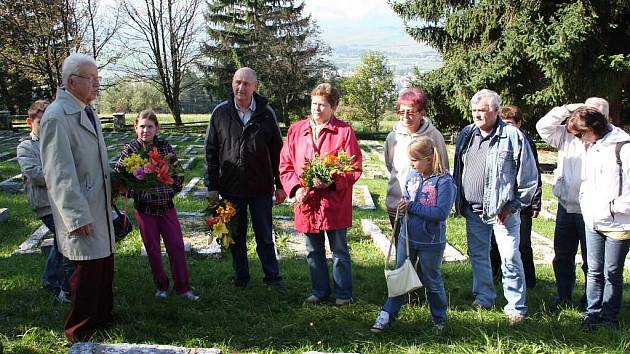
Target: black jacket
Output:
{"points": [[242, 160]]}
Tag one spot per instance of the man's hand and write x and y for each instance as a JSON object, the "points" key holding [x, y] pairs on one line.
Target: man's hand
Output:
{"points": [[213, 197], [280, 196], [317, 183], [84, 230], [535, 214], [503, 215]]}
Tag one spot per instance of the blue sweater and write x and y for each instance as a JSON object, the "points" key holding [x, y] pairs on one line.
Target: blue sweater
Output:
{"points": [[431, 203]]}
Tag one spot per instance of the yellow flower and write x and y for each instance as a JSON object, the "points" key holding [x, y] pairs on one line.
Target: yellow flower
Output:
{"points": [[133, 162], [219, 229]]}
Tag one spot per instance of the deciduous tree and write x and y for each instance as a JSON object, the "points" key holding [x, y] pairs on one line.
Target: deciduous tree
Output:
{"points": [[371, 89]]}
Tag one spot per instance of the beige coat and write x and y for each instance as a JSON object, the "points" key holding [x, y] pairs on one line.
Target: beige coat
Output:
{"points": [[74, 158]]}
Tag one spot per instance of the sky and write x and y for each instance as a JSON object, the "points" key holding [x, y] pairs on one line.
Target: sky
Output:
{"points": [[346, 22]]}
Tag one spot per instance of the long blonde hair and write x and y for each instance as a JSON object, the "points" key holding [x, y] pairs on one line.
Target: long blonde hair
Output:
{"points": [[423, 147]]}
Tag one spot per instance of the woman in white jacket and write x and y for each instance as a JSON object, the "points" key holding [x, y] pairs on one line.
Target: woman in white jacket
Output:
{"points": [[605, 203]]}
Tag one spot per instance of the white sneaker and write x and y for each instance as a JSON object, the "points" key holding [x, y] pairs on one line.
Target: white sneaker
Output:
{"points": [[161, 294], [381, 322], [189, 295], [63, 297]]}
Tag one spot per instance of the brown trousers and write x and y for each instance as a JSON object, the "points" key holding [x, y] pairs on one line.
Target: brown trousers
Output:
{"points": [[92, 298]]}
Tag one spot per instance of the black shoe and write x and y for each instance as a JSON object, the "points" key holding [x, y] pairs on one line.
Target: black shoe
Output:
{"points": [[590, 323], [240, 283], [614, 325], [561, 302], [278, 286]]}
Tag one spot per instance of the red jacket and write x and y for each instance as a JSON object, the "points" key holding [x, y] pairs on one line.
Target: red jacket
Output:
{"points": [[323, 209]]}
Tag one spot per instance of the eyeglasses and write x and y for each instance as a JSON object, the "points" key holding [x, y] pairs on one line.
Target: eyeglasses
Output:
{"points": [[92, 80], [409, 113]]}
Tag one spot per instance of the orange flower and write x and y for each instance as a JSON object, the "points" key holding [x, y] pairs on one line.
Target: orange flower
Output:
{"points": [[164, 176], [330, 160]]}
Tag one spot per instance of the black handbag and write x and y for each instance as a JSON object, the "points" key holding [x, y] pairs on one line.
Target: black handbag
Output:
{"points": [[122, 225]]}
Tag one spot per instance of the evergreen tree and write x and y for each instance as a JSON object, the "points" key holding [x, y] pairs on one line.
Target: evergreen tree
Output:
{"points": [[535, 53], [272, 37]]}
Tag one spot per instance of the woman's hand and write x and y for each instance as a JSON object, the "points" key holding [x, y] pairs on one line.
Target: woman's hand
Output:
{"points": [[317, 183], [403, 204], [300, 194]]}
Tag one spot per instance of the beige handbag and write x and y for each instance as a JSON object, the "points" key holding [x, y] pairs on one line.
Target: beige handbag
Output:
{"points": [[404, 279]]}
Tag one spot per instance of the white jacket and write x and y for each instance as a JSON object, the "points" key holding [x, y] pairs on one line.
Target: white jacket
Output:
{"points": [[397, 160], [599, 192], [568, 174]]}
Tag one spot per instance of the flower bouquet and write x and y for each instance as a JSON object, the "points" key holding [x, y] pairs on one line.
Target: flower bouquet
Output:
{"points": [[325, 168], [220, 215], [144, 170]]}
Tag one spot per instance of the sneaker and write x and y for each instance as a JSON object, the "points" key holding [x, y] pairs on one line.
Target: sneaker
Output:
{"points": [[342, 302], [63, 297], [163, 294], [381, 322], [515, 319], [189, 295], [313, 300]]}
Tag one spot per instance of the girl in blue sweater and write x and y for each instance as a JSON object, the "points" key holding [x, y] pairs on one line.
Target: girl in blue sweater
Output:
{"points": [[428, 196]]}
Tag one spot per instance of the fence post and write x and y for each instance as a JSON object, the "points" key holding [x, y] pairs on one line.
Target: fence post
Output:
{"points": [[5, 120], [119, 121]]}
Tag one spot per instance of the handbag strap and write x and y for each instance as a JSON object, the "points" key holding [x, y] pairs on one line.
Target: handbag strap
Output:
{"points": [[391, 243]]}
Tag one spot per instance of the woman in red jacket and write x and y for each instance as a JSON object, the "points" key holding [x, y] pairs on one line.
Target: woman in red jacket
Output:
{"points": [[326, 208]]}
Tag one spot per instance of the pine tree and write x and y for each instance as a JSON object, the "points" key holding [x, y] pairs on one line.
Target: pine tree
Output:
{"points": [[535, 53], [274, 39]]}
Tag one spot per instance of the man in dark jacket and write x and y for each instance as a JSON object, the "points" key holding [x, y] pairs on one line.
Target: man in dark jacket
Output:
{"points": [[243, 145]]}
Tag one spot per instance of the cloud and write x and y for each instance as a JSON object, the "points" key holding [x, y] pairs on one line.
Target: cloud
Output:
{"points": [[346, 10]]}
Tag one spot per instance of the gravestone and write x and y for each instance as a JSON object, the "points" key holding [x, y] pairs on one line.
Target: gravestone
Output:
{"points": [[189, 187], [126, 348], [5, 120], [12, 185], [119, 121], [4, 215], [361, 197], [189, 164]]}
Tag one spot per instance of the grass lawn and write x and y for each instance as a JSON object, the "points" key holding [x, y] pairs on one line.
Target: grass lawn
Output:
{"points": [[259, 319]]}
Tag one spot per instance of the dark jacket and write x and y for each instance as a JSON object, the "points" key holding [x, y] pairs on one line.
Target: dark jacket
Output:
{"points": [[242, 160]]}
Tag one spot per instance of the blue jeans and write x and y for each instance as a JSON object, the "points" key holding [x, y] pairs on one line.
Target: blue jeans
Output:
{"points": [[568, 235], [58, 268], [260, 211], [604, 281], [478, 234], [318, 267], [430, 276]]}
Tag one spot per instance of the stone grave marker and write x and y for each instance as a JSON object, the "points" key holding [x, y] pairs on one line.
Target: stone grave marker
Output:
{"points": [[292, 242], [126, 348], [189, 164], [361, 197], [5, 154], [4, 215], [189, 187], [12, 185], [31, 245], [382, 242]]}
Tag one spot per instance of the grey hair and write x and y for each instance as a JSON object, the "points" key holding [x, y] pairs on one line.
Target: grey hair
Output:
{"points": [[72, 64], [249, 71], [600, 104], [493, 98]]}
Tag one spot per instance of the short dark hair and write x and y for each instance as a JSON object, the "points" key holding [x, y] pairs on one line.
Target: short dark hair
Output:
{"points": [[512, 113], [329, 92], [587, 117]]}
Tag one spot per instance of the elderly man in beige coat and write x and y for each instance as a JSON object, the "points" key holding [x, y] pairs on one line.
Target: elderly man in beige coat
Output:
{"points": [[76, 170]]}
